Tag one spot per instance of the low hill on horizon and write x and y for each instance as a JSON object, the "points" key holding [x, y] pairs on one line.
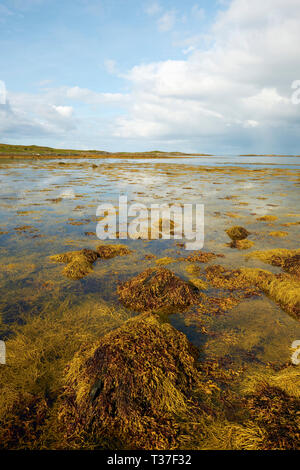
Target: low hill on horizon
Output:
{"points": [[37, 151]]}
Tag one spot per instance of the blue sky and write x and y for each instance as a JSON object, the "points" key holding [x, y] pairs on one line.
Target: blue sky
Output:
{"points": [[207, 76]]}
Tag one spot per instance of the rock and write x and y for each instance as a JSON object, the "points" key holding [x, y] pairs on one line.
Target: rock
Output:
{"points": [[157, 290], [237, 233], [128, 389]]}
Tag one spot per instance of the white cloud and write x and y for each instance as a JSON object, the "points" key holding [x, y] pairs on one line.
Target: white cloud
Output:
{"points": [[250, 123], [167, 21], [71, 116], [85, 95], [65, 111], [239, 84]]}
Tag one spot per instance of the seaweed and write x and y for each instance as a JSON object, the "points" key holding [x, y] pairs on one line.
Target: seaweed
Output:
{"points": [[38, 351], [288, 260], [292, 265], [111, 251], [29, 414], [78, 263], [277, 413], [242, 244], [278, 234], [237, 233], [131, 389], [164, 261], [282, 288], [202, 257], [26, 228], [199, 283], [233, 280], [157, 290], [267, 218]]}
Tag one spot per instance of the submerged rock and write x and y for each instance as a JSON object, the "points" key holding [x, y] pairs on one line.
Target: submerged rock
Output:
{"points": [[288, 260], [130, 388], [232, 279], [111, 251], [267, 218], [292, 265], [202, 256], [242, 244], [237, 233], [78, 263], [278, 234], [157, 290]]}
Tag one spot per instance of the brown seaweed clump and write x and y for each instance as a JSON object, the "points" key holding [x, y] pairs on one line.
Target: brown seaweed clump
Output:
{"points": [[277, 414], [78, 263], [233, 280], [267, 218], [24, 423], [111, 251], [282, 288], [129, 391], [278, 234], [202, 257], [288, 260], [292, 265], [164, 261], [238, 235], [157, 290], [242, 244]]}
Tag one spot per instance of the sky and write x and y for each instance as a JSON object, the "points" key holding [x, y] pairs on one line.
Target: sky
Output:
{"points": [[212, 76]]}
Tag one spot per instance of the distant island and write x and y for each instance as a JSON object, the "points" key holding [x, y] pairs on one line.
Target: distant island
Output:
{"points": [[35, 151], [267, 155]]}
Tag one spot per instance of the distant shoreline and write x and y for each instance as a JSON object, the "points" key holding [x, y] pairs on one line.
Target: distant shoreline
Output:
{"points": [[37, 152], [266, 155], [94, 156]]}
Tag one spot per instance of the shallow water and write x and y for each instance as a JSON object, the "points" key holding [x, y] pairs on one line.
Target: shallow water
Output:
{"points": [[48, 206]]}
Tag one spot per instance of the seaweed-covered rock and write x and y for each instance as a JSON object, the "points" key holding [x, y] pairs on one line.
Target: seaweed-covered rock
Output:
{"points": [[234, 280], [292, 265], [128, 390], [242, 244], [288, 260], [202, 256], [282, 288], [276, 413], [111, 251], [267, 218], [157, 290], [78, 263], [237, 233], [21, 425]]}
